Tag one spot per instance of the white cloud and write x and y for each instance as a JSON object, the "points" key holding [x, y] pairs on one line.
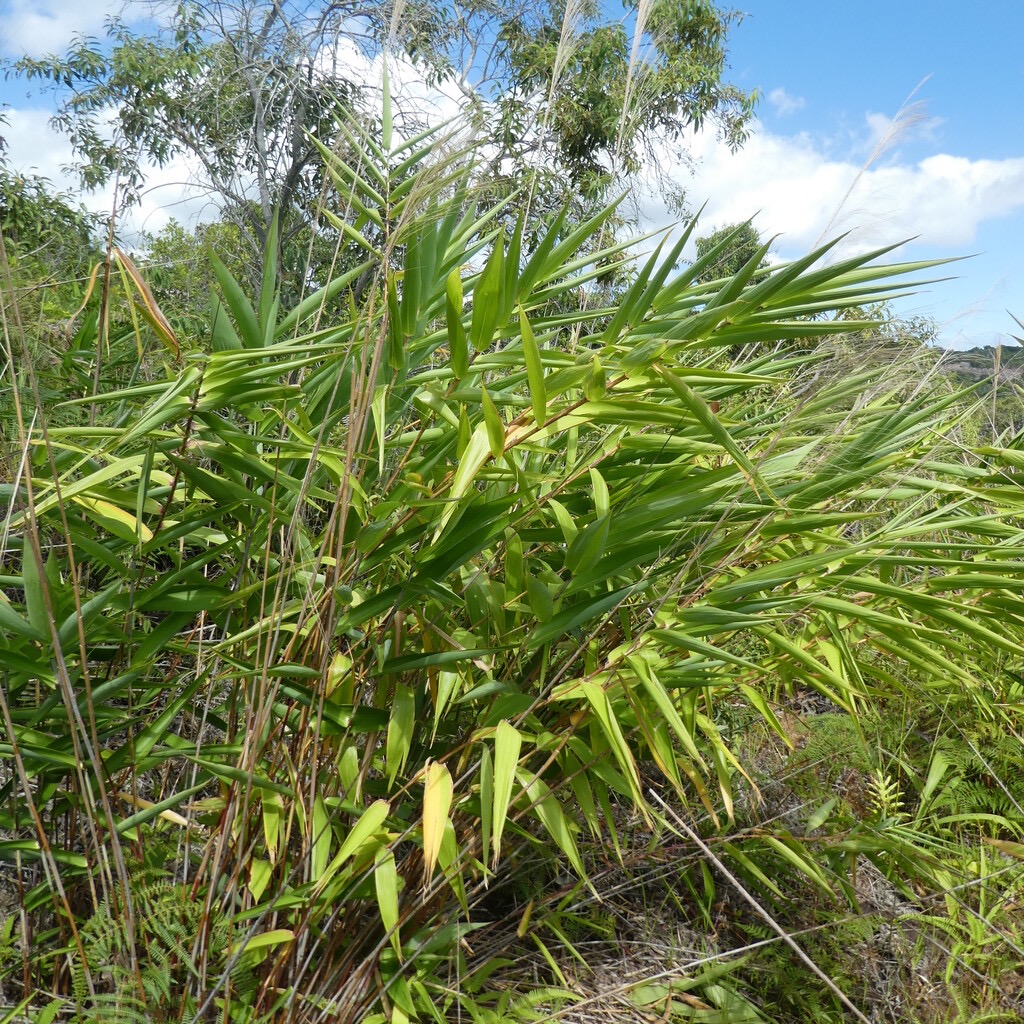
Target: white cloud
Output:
{"points": [[416, 102], [174, 190], [35, 149], [797, 189], [36, 27], [800, 187], [784, 103]]}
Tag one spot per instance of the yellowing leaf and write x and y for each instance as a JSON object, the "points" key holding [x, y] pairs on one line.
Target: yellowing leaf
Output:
{"points": [[1007, 847], [118, 521], [437, 799], [147, 305], [273, 812]]}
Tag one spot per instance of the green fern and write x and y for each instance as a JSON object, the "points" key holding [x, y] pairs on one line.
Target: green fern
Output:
{"points": [[166, 921]]}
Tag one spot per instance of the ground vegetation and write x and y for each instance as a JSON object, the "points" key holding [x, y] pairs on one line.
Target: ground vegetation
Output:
{"points": [[465, 635]]}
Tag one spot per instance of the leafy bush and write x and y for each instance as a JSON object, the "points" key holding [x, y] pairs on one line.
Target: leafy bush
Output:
{"points": [[342, 621]]}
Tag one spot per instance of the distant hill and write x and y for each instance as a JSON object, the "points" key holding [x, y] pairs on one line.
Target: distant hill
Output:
{"points": [[981, 363]]}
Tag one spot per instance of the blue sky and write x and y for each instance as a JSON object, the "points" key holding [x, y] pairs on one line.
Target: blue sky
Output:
{"points": [[833, 76], [832, 72]]}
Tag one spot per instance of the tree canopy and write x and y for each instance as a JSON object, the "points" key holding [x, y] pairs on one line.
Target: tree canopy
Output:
{"points": [[736, 245], [241, 87]]}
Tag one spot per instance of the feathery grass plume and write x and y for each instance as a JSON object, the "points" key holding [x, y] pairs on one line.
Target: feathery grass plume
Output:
{"points": [[910, 115], [568, 41], [633, 79]]}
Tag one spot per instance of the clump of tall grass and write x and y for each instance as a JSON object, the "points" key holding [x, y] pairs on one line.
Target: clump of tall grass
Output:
{"points": [[309, 643]]}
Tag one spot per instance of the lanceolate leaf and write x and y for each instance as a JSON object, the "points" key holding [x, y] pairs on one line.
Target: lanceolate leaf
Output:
{"points": [[457, 341], [534, 371], [437, 801], [495, 426], [368, 823], [488, 297], [507, 744], [386, 883]]}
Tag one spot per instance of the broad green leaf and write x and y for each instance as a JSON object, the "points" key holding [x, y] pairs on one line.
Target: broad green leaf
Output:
{"points": [[534, 370], [602, 499], [246, 318], [820, 815], [379, 410], [612, 729], [268, 286], [696, 405], [486, 803], [588, 546], [12, 622], [401, 726], [663, 702], [396, 337], [495, 425], [362, 832], [118, 521], [263, 940], [448, 683], [799, 857], [471, 461], [458, 344], [539, 263], [35, 595], [586, 612], [260, 873], [451, 860], [937, 769], [547, 808], [596, 381], [387, 886], [319, 839], [229, 773], [507, 744], [487, 298], [565, 521], [514, 566]]}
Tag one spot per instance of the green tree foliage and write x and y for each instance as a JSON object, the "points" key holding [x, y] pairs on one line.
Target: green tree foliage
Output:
{"points": [[51, 247], [240, 87], [179, 270], [48, 230], [605, 101], [728, 249]]}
